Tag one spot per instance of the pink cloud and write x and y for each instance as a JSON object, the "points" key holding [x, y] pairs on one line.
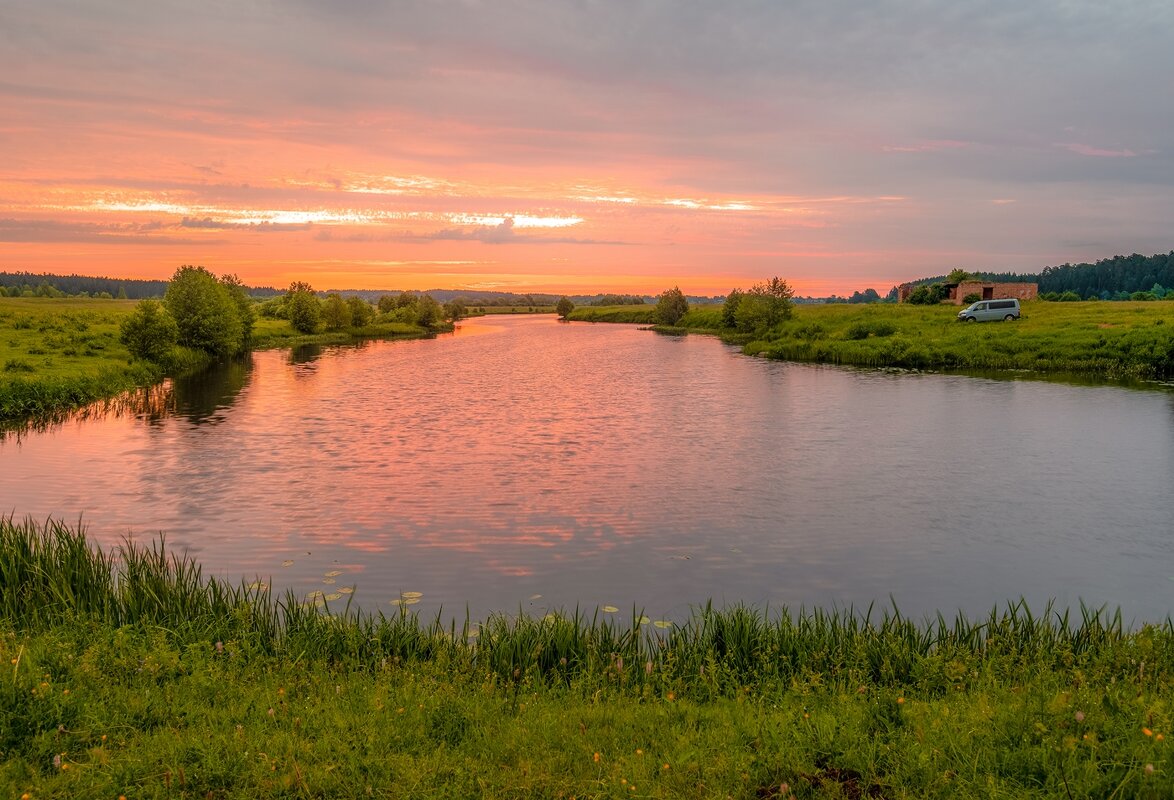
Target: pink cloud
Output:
{"points": [[1089, 150]]}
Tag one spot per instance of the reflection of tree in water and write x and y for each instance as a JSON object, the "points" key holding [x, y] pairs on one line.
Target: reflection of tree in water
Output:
{"points": [[305, 354], [201, 395]]}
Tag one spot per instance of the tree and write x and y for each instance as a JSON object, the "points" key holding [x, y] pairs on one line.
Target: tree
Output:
{"points": [[205, 312], [149, 332], [730, 308], [428, 312], [671, 306], [564, 306], [958, 275], [335, 313], [244, 307], [302, 307], [361, 311], [765, 305], [386, 304], [455, 310]]}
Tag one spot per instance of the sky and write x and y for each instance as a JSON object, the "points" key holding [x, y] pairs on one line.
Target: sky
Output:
{"points": [[583, 145]]}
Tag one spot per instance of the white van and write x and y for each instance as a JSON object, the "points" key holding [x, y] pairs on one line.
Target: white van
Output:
{"points": [[990, 310]]}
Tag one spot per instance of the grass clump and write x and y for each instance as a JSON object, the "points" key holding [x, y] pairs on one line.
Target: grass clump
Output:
{"points": [[132, 673]]}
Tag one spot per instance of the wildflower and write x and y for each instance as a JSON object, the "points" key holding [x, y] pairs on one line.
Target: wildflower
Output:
{"points": [[639, 752], [66, 691], [272, 712], [1147, 731], [220, 647], [672, 696], [665, 766], [595, 758], [280, 690], [1149, 769], [1079, 716], [900, 701], [647, 667], [1158, 737]]}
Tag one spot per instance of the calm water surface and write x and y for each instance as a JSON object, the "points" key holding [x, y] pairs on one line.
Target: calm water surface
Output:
{"points": [[526, 463]]}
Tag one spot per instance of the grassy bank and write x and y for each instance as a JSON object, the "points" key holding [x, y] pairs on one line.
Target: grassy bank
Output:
{"points": [[59, 354], [1104, 339], [133, 674], [62, 354], [1109, 340]]}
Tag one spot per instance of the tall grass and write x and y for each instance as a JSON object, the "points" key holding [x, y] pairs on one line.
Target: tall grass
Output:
{"points": [[51, 575]]}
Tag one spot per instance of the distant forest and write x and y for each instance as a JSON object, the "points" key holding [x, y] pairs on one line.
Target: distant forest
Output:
{"points": [[33, 284]]}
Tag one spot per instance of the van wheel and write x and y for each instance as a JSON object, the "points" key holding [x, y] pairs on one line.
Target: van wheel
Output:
{"points": [[1009, 318], [972, 319]]}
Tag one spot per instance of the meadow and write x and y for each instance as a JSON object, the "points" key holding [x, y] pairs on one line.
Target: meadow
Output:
{"points": [[58, 354], [1100, 339], [134, 675]]}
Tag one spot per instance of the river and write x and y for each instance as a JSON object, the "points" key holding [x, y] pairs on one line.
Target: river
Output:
{"points": [[526, 463]]}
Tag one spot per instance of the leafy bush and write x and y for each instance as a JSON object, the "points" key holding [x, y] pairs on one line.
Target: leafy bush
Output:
{"points": [[303, 307], [207, 312], [973, 297], [149, 332], [671, 306]]}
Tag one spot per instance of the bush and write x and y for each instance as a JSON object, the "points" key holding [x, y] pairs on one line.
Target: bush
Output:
{"points": [[973, 297], [361, 311], [671, 306], [564, 306], [335, 313], [429, 314], [206, 312], [764, 306], [149, 332], [730, 309], [302, 307]]}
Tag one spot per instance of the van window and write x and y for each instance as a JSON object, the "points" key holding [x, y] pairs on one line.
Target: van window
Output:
{"points": [[1004, 304]]}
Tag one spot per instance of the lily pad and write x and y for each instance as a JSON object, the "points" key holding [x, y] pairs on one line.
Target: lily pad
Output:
{"points": [[333, 596], [287, 563], [535, 597], [643, 620], [410, 595], [662, 624], [608, 609], [346, 589], [334, 573], [313, 594], [329, 580], [258, 585]]}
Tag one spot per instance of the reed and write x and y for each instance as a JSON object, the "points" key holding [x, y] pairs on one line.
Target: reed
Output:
{"points": [[51, 575]]}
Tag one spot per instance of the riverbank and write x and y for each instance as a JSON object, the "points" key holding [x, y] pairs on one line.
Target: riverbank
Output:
{"points": [[59, 354], [1106, 340], [133, 674]]}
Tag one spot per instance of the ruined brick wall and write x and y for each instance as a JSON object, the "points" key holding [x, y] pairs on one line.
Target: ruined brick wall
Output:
{"points": [[993, 291]]}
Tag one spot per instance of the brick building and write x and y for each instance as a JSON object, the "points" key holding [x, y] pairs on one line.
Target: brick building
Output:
{"points": [[986, 290]]}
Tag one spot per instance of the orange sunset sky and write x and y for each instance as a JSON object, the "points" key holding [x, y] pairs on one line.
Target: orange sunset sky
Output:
{"points": [[582, 146]]}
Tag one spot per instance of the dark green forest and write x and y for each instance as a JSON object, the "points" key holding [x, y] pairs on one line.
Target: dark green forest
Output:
{"points": [[47, 284]]}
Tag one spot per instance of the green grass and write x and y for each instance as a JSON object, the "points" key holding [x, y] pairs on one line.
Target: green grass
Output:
{"points": [[1105, 339], [481, 311], [131, 673], [59, 354], [643, 314]]}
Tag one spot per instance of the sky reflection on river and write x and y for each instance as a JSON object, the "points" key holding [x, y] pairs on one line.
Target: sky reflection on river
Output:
{"points": [[601, 464]]}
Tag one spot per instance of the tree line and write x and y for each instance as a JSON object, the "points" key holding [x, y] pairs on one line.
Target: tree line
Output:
{"points": [[216, 315]]}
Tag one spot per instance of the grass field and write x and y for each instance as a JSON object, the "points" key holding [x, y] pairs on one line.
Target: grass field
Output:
{"points": [[1094, 338], [58, 354], [1107, 340], [131, 674]]}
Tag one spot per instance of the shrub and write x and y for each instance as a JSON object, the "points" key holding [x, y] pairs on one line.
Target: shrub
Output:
{"points": [[764, 306], [671, 306], [206, 312], [302, 307], [564, 306], [149, 332], [973, 297], [361, 311], [335, 314]]}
